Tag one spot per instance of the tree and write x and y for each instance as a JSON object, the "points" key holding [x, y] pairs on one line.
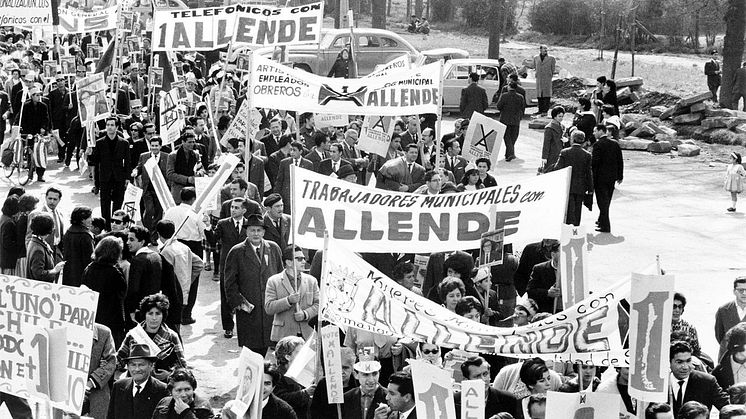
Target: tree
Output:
{"points": [[495, 28], [378, 20], [735, 29]]}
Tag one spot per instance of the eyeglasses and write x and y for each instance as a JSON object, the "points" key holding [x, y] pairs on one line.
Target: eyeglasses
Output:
{"points": [[678, 306], [430, 351], [116, 221]]}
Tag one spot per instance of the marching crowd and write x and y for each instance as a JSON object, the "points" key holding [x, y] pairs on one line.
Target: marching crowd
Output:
{"points": [[148, 273]]}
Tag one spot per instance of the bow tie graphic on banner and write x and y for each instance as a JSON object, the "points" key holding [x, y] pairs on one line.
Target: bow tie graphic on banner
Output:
{"points": [[327, 94]]}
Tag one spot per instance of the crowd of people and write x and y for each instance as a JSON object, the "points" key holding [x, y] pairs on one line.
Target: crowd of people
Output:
{"points": [[147, 273]]}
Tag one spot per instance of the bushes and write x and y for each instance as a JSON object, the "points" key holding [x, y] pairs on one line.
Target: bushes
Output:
{"points": [[478, 13], [441, 10], [564, 17]]}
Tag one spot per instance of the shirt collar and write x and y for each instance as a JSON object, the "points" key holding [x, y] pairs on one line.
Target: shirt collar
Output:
{"points": [[405, 414]]}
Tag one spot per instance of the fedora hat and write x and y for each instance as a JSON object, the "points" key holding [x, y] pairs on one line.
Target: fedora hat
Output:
{"points": [[255, 220], [140, 352], [344, 171]]}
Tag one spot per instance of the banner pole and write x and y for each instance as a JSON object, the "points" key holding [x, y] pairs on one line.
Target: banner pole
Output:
{"points": [[439, 135], [339, 411], [225, 75]]}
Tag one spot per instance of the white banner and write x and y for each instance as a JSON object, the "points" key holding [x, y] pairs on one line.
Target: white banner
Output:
{"points": [[74, 20], [379, 221], [375, 134], [201, 184], [277, 86], [472, 399], [573, 264], [483, 138], [215, 27], [238, 128], [25, 13], [162, 191], [131, 203], [355, 294], [325, 120], [332, 364], [212, 189], [398, 63], [651, 305], [172, 116], [32, 313], [581, 405], [433, 392]]}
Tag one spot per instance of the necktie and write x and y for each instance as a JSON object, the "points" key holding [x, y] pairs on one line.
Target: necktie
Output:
{"points": [[453, 162], [410, 168], [259, 254], [57, 227], [335, 168], [138, 388], [238, 227], [278, 225], [296, 163], [679, 395], [367, 400]]}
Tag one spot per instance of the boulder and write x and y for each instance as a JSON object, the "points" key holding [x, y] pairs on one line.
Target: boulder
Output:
{"points": [[645, 131], [634, 143], [689, 141], [665, 130], [674, 141], [715, 122], [688, 150], [538, 123], [629, 82], [657, 111], [667, 113], [688, 119], [623, 93], [733, 122], [740, 129], [728, 113], [698, 107], [691, 100], [659, 147]]}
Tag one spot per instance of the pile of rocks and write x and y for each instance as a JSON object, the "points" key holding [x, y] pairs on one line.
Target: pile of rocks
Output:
{"points": [[646, 134], [694, 117]]}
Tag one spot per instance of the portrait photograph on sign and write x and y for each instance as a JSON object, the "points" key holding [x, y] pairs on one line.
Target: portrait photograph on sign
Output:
{"points": [[50, 69], [68, 65], [243, 63], [156, 77], [491, 248], [94, 51]]}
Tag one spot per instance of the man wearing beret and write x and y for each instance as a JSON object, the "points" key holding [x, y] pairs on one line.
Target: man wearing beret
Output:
{"points": [[248, 266]]}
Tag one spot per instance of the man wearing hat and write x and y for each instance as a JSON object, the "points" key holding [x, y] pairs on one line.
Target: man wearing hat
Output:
{"points": [[192, 97], [16, 93], [58, 111], [361, 402], [35, 120], [276, 222], [229, 232], [136, 397], [543, 286], [248, 267], [347, 174]]}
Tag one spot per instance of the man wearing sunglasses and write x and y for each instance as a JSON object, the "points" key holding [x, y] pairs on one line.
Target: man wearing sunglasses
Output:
{"points": [[292, 297]]}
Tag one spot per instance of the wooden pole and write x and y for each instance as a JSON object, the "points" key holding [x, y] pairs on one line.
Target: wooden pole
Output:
{"points": [[616, 47], [632, 33]]}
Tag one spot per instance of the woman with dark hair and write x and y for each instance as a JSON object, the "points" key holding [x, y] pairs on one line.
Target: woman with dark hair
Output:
{"points": [[183, 401], [535, 375], [451, 290], [608, 96], [9, 245], [586, 376], [470, 181], [485, 179], [104, 276], [40, 264], [124, 261], [585, 119], [155, 309], [341, 66], [77, 245], [26, 205]]}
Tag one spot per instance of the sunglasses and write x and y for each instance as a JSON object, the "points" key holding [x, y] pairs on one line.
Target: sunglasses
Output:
{"points": [[430, 351], [678, 306], [116, 221]]}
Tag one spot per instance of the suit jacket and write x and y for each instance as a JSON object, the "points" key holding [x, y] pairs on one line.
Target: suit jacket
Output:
{"points": [[245, 279], [407, 138], [703, 388], [723, 373], [725, 318], [180, 180], [255, 171], [606, 161], [277, 408], [227, 236], [355, 158], [254, 208], [143, 174], [473, 99], [122, 404], [353, 407], [282, 237], [581, 181], [273, 167], [101, 368], [460, 168], [276, 304], [395, 173], [144, 278], [552, 145], [497, 401], [326, 167], [111, 169], [511, 106], [314, 158], [543, 277], [739, 82], [282, 186], [711, 70], [270, 144]]}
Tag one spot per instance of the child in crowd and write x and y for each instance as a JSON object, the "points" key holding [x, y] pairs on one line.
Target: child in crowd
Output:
{"points": [[734, 174]]}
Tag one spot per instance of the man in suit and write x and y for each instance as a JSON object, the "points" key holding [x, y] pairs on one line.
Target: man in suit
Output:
{"points": [[276, 222], [273, 162], [454, 162], [427, 149], [739, 87], [111, 156], [608, 169], [320, 151], [731, 314], [543, 287], [239, 189], [180, 169], [151, 206], [137, 396], [411, 135], [473, 97], [284, 175], [229, 232], [206, 141], [478, 368], [52, 198], [330, 166], [145, 270], [292, 297], [581, 181], [511, 106], [403, 174], [456, 132], [712, 71], [731, 367], [361, 402], [355, 157], [248, 266], [271, 141], [275, 407], [399, 398], [686, 384], [101, 368], [255, 171]]}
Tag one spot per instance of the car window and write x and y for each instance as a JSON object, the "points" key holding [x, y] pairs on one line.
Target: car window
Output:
{"points": [[341, 42], [486, 72], [388, 43], [368, 41], [459, 72]]}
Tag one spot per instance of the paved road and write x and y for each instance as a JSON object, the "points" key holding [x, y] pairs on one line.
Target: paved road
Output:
{"points": [[672, 207]]}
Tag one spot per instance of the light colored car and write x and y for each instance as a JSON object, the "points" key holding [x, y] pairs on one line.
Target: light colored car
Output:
{"points": [[456, 77]]}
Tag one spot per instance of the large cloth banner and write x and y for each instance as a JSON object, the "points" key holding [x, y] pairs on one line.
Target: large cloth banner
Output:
{"points": [[25, 13], [651, 305], [433, 392], [483, 138], [355, 294], [73, 20], [404, 92], [41, 324], [581, 405], [375, 134], [573, 264], [379, 221], [399, 63], [215, 27]]}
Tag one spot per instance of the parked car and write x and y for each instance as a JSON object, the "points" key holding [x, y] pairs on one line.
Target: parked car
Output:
{"points": [[456, 77], [433, 55]]}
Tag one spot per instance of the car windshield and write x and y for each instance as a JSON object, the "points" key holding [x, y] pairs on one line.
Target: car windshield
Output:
{"points": [[328, 37]]}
